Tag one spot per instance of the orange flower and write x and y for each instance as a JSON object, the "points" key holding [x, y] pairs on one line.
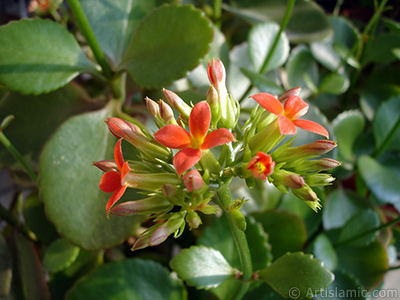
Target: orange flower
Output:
{"points": [[192, 144], [289, 113], [113, 181], [261, 165]]}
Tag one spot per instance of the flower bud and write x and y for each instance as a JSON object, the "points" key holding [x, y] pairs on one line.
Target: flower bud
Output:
{"points": [[153, 108], [309, 197], [215, 106], [266, 139], [319, 179], [173, 195], [229, 112], [313, 149], [193, 180], [216, 74], [174, 224], [292, 92], [317, 165], [193, 219], [177, 103], [150, 181], [166, 113], [106, 165], [289, 179], [150, 205]]}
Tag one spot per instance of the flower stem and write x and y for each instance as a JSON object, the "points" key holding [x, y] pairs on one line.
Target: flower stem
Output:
{"points": [[6, 142], [271, 52], [224, 199], [387, 140], [87, 31]]}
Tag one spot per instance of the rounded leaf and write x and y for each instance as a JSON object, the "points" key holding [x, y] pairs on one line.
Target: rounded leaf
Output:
{"points": [[60, 255]]}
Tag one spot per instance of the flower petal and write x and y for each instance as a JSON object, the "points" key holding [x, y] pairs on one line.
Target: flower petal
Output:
{"points": [[115, 197], [286, 126], [311, 126], [199, 120], [125, 170], [173, 136], [119, 159], [295, 107], [269, 102], [185, 159], [110, 182], [217, 137]]}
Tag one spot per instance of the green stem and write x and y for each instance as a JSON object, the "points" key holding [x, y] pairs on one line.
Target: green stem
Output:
{"points": [[387, 140], [224, 199], [271, 52], [361, 235], [87, 32], [6, 142], [217, 12]]}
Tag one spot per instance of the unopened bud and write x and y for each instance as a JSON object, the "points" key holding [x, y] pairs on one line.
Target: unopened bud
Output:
{"points": [[193, 180], [174, 224], [193, 219], [289, 179], [292, 92], [215, 106], [319, 179], [152, 107], [166, 113], [309, 196], [145, 206], [172, 194], [313, 149], [177, 103], [216, 73], [106, 165], [150, 181], [317, 165]]}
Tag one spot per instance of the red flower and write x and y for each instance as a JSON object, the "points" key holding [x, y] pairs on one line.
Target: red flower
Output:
{"points": [[192, 144], [261, 165], [113, 181], [288, 114]]}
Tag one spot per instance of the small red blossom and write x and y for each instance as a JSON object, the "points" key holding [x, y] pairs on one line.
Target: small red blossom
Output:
{"points": [[113, 181], [193, 180], [261, 165], [289, 113], [192, 144]]}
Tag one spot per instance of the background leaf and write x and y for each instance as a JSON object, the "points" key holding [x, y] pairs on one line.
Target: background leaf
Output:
{"points": [[322, 249], [60, 255], [133, 279], [5, 268], [167, 43], [69, 183], [38, 56]]}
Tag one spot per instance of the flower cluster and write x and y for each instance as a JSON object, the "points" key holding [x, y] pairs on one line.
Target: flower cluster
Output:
{"points": [[179, 168]]}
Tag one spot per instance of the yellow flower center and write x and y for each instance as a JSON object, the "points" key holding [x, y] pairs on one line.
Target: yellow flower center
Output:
{"points": [[260, 167]]}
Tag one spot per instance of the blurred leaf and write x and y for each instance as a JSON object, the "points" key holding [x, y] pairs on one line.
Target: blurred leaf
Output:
{"points": [[60, 255], [264, 84], [344, 287], [385, 118], [297, 275], [322, 249], [5, 269], [344, 38], [380, 49], [168, 42], [69, 183], [38, 56], [35, 217], [369, 263], [286, 231], [334, 84], [307, 22], [36, 118], [262, 292], [202, 267], [300, 64], [261, 39], [133, 279], [392, 25], [348, 125], [113, 22], [341, 206], [237, 82], [383, 182], [358, 224]]}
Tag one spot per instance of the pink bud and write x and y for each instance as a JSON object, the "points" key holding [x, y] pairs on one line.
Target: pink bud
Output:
{"points": [[216, 73], [294, 181], [193, 180], [152, 107], [123, 129], [292, 92], [177, 103], [166, 113], [327, 163], [106, 165]]}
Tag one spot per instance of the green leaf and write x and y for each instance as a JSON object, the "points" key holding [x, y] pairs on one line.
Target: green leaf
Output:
{"points": [[322, 249], [5, 268], [369, 264], [113, 22], [340, 207], [237, 82], [308, 21], [334, 84], [301, 63], [382, 181], [167, 43], [202, 267], [385, 118], [344, 38], [348, 126], [297, 275], [261, 39], [38, 56], [36, 118], [69, 183], [286, 231], [358, 224], [133, 279], [380, 49], [263, 83], [60, 255]]}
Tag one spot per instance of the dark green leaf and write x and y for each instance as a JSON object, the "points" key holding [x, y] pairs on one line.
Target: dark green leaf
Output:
{"points": [[38, 56], [134, 279], [5, 268], [167, 43], [297, 275], [60, 255], [263, 83], [113, 22], [69, 183], [383, 182], [380, 48], [202, 267], [286, 231], [334, 84], [322, 249]]}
